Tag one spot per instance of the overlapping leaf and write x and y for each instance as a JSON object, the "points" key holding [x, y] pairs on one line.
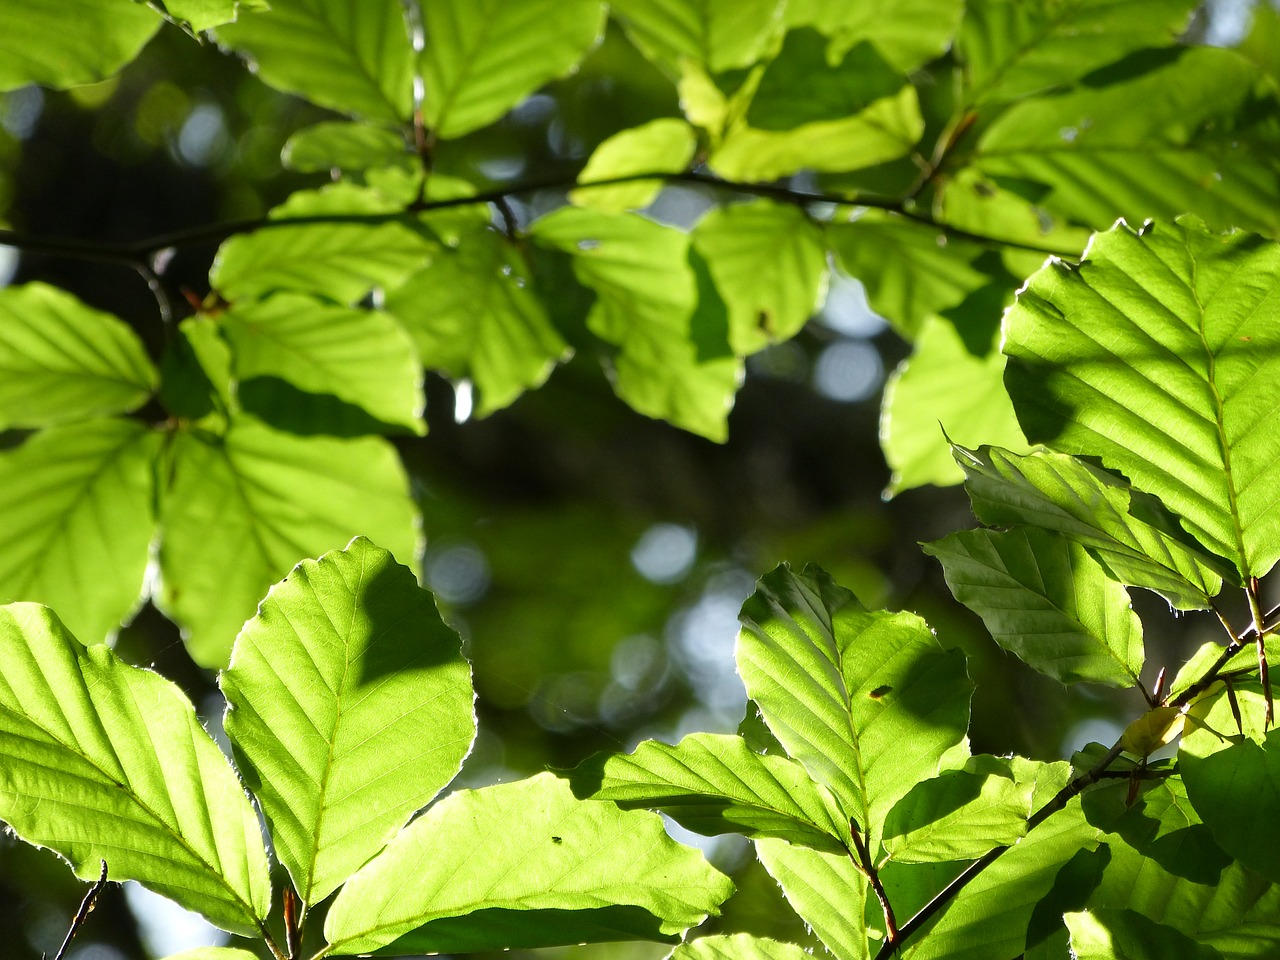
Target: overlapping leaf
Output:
{"points": [[473, 314], [828, 892], [868, 701], [482, 58], [907, 32], [520, 865], [239, 510], [1043, 598], [715, 784], [63, 360], [349, 707], [344, 145], [361, 357], [68, 43], [1126, 935], [1158, 356], [674, 359], [201, 15], [665, 145], [716, 34], [1135, 538], [104, 761], [76, 518], [213, 953], [352, 57], [738, 946], [769, 264]]}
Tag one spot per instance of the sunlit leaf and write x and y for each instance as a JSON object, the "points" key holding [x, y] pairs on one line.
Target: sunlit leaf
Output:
{"points": [[76, 519], [943, 391], [342, 260], [351, 57], [524, 864], [238, 511], [362, 357], [1163, 826], [350, 708], [344, 145], [483, 58], [738, 946], [715, 784], [868, 701], [1010, 50], [907, 32], [674, 360], [104, 761], [1134, 537], [473, 314], [213, 953], [1044, 599], [716, 34], [769, 264], [828, 892], [70, 42], [203, 14], [665, 145], [63, 360], [1157, 354], [1125, 935]]}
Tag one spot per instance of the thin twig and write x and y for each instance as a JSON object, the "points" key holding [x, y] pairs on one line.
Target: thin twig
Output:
{"points": [[1260, 631], [863, 862], [86, 907]]}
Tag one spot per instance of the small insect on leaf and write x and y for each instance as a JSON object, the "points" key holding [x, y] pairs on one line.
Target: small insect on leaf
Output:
{"points": [[880, 691], [557, 839]]}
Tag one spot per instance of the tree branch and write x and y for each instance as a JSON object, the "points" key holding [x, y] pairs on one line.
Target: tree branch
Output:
{"points": [[86, 907], [863, 862]]}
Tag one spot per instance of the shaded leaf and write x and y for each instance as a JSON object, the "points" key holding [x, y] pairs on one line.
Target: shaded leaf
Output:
{"points": [[239, 510], [718, 35], [481, 59], [738, 946], [1125, 935], [70, 42], [868, 701], [828, 892], [472, 313], [349, 705], [63, 360], [1157, 355], [104, 761], [907, 32], [1134, 537], [958, 815], [345, 145], [665, 145], [715, 784], [533, 851], [351, 57], [769, 264], [76, 519], [1044, 599], [1163, 826], [362, 357]]}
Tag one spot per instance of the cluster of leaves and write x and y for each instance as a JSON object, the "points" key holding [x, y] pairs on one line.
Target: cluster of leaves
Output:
{"points": [[952, 145]]}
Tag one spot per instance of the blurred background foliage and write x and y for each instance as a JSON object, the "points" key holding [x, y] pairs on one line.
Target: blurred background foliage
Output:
{"points": [[593, 560]]}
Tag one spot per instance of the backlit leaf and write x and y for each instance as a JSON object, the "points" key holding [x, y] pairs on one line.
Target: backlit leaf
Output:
{"points": [[350, 708], [1157, 354], [907, 32], [524, 864], [63, 360], [718, 35], [665, 145], [738, 946], [828, 892], [70, 42], [104, 761], [1125, 935], [344, 145]]}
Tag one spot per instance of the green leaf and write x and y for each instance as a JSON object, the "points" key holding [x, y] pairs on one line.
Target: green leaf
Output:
{"points": [[674, 362], [104, 761], [828, 892], [958, 815], [349, 705], [869, 702], [887, 129], [362, 357], [1163, 826], [738, 946], [1233, 779], [76, 519], [352, 57], [1134, 537], [769, 264], [531, 857], [345, 145], [715, 784], [64, 360], [989, 917], [1125, 935], [202, 15], [213, 953], [328, 257], [239, 511], [70, 42], [943, 391], [911, 271], [1011, 50], [1182, 137], [482, 59], [665, 145], [908, 33], [1044, 599], [195, 371], [473, 314], [1157, 355], [719, 35]]}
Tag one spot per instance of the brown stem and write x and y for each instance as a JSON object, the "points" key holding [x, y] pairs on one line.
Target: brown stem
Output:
{"points": [[1260, 633], [86, 907], [863, 862]]}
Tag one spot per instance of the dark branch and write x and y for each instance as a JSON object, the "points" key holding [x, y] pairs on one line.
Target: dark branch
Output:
{"points": [[86, 907]]}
